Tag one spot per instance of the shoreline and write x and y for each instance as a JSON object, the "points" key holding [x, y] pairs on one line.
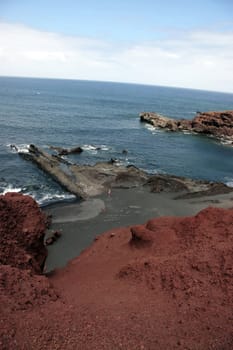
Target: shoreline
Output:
{"points": [[81, 221]]}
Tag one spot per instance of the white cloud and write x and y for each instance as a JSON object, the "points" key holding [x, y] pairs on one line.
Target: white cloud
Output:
{"points": [[199, 59]]}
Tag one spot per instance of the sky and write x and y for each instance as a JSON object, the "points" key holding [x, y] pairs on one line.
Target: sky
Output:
{"points": [[180, 43]]}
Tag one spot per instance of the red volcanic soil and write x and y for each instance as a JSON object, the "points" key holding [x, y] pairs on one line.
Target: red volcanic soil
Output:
{"points": [[22, 227], [167, 284]]}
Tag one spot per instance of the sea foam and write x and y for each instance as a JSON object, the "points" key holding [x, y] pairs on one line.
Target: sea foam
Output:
{"points": [[22, 148], [52, 197], [229, 183], [11, 188]]}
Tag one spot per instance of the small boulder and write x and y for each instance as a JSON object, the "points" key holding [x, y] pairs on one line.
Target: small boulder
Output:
{"points": [[49, 241]]}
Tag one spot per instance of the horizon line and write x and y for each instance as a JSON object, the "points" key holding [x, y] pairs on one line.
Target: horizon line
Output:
{"points": [[116, 82]]}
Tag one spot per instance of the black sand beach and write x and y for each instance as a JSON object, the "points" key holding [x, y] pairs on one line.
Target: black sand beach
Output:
{"points": [[81, 222]]}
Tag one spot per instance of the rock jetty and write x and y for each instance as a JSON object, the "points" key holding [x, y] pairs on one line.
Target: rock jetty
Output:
{"points": [[215, 124], [86, 181], [166, 284]]}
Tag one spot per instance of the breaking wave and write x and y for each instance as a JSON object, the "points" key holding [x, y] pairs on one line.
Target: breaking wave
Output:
{"points": [[51, 198], [10, 188], [22, 148], [41, 197], [95, 148], [229, 182]]}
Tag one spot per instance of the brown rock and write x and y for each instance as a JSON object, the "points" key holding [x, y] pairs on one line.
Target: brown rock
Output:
{"points": [[157, 120], [216, 124]]}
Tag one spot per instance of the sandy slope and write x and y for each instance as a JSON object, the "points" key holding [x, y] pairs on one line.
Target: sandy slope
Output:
{"points": [[163, 285]]}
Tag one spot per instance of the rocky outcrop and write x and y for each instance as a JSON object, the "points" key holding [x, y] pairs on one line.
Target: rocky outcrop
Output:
{"points": [[84, 180], [159, 121], [216, 124], [87, 181], [23, 288], [22, 229], [166, 284], [187, 188], [65, 151]]}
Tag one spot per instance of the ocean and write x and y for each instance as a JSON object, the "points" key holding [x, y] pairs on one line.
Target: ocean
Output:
{"points": [[103, 118]]}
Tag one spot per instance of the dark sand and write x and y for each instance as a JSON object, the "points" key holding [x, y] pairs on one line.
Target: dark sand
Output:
{"points": [[81, 222]]}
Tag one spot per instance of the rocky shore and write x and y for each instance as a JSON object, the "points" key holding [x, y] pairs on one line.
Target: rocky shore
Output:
{"points": [[166, 284], [87, 181], [215, 124]]}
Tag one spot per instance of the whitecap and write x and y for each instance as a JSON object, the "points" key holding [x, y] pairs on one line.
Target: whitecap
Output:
{"points": [[150, 127], [229, 182], [89, 148], [94, 148], [22, 148], [120, 162], [226, 142], [10, 188], [50, 197], [104, 148], [156, 131], [153, 129]]}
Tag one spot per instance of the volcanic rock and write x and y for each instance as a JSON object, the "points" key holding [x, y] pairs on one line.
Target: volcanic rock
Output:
{"points": [[88, 181], [53, 237], [216, 124], [82, 180], [158, 120], [65, 151]]}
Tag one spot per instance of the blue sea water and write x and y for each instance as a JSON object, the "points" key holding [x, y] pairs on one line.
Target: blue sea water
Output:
{"points": [[106, 115]]}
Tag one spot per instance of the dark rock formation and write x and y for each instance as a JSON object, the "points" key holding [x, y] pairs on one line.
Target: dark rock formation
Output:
{"points": [[82, 180], [52, 237], [216, 124], [167, 183], [87, 181], [211, 189], [65, 151], [189, 188]]}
